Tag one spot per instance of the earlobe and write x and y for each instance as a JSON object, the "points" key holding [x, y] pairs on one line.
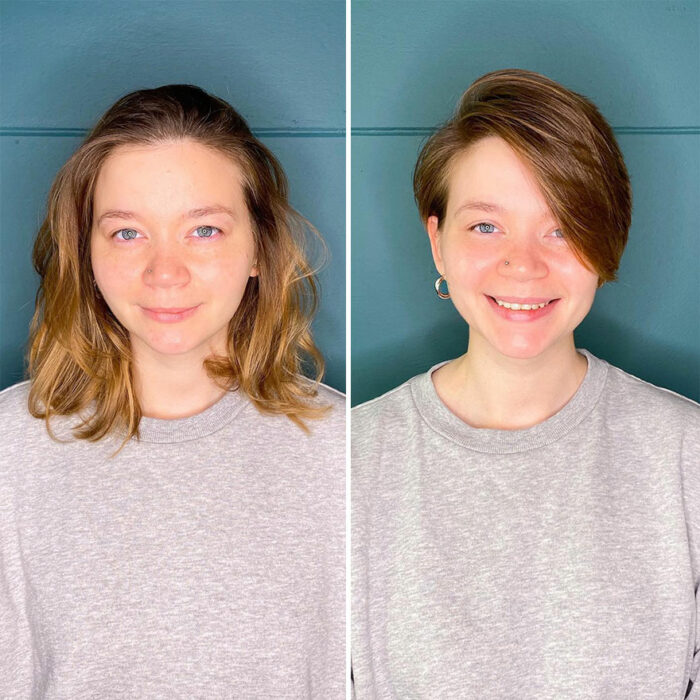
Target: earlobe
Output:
{"points": [[432, 226]]}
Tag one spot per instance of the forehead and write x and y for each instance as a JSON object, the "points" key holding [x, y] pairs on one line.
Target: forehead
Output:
{"points": [[490, 171], [161, 175]]}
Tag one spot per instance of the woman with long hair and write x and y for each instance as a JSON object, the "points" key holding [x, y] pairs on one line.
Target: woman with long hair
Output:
{"points": [[171, 483], [526, 517]]}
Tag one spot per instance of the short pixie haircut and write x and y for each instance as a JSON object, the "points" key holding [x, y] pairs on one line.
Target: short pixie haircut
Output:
{"points": [[564, 139], [80, 354]]}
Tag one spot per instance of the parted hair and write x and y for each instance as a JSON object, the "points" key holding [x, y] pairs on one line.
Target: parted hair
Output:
{"points": [[79, 353], [569, 146]]}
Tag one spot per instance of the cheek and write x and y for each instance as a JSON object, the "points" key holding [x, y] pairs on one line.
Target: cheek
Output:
{"points": [[468, 264], [582, 282], [226, 270], [114, 273]]}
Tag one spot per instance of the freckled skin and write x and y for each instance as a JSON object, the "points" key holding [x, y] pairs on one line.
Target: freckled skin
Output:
{"points": [[168, 265], [541, 264]]}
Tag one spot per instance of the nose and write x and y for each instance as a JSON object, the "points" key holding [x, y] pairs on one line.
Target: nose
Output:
{"points": [[523, 262], [165, 267]]}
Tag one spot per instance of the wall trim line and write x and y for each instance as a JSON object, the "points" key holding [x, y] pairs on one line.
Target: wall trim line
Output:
{"points": [[266, 132], [427, 131]]}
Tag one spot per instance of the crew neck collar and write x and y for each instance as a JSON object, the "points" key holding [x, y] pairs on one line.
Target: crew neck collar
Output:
{"points": [[193, 427], [443, 421]]}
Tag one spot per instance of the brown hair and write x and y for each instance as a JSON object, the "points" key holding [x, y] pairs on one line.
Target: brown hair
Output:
{"points": [[567, 143], [79, 352]]}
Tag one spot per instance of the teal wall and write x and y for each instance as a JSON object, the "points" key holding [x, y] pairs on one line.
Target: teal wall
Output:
{"points": [[280, 63], [638, 61]]}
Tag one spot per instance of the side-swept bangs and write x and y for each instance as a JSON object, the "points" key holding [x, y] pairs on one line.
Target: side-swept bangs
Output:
{"points": [[565, 140]]}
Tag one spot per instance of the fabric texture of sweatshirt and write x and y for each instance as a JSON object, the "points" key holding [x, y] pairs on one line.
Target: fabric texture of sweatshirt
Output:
{"points": [[206, 560], [558, 562]]}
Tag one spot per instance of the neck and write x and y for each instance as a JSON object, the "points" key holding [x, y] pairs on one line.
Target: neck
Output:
{"points": [[488, 390], [174, 387]]}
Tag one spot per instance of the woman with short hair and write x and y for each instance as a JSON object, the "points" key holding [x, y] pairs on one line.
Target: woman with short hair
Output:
{"points": [[171, 485], [526, 517]]}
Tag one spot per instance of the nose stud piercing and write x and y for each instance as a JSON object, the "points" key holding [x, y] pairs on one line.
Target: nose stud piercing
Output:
{"points": [[506, 263]]}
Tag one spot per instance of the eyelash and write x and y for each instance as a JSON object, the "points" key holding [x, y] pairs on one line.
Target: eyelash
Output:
{"points": [[483, 223], [215, 230]]}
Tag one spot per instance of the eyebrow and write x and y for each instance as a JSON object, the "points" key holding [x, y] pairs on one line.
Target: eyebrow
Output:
{"points": [[481, 206], [191, 214], [493, 208]]}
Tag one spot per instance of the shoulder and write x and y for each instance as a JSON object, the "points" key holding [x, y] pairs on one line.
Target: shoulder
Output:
{"points": [[654, 420], [24, 437], [387, 406], [324, 430], [646, 401], [334, 400], [389, 418], [331, 397], [14, 411], [331, 426], [19, 427]]}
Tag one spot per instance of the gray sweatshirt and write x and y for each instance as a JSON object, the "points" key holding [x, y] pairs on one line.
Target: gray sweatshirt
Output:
{"points": [[205, 561], [560, 561]]}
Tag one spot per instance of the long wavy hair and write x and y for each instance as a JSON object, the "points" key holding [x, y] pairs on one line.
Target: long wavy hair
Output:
{"points": [[80, 355]]}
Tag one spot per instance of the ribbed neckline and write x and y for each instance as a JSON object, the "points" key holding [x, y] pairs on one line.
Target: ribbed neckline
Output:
{"points": [[443, 421], [193, 427]]}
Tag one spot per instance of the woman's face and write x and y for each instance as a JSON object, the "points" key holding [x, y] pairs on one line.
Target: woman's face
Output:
{"points": [[500, 244], [172, 246]]}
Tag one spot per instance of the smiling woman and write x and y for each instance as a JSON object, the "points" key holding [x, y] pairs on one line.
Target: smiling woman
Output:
{"points": [[526, 517], [172, 485]]}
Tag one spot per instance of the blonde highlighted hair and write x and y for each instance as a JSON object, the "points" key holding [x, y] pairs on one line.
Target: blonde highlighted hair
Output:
{"points": [[80, 355], [564, 139]]}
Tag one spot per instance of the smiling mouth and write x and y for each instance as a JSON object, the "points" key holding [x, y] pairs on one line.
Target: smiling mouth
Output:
{"points": [[522, 306], [522, 309]]}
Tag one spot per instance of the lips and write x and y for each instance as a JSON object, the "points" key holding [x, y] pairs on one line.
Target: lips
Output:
{"points": [[170, 314], [523, 300], [171, 310], [522, 315]]}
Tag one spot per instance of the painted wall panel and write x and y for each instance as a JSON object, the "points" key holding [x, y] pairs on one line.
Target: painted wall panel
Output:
{"points": [[280, 63], [637, 60]]}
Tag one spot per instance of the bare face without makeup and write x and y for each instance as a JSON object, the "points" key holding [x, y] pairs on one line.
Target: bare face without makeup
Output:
{"points": [[511, 274], [172, 246]]}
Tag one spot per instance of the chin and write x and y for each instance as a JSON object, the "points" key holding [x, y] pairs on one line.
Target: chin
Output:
{"points": [[170, 344], [522, 348]]}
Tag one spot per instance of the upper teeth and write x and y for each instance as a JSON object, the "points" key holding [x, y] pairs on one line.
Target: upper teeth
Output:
{"points": [[519, 307]]}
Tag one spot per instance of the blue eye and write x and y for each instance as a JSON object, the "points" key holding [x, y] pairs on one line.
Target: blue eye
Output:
{"points": [[207, 231], [128, 234], [558, 233], [490, 228]]}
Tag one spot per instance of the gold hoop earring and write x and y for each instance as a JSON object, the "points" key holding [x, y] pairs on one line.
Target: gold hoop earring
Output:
{"points": [[438, 282]]}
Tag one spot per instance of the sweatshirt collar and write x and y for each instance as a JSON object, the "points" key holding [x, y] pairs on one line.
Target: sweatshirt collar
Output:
{"points": [[443, 421], [209, 421]]}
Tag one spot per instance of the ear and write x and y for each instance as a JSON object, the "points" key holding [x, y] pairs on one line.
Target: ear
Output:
{"points": [[431, 226]]}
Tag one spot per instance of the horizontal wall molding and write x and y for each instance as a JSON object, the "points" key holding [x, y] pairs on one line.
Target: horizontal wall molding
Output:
{"points": [[274, 132], [269, 132], [427, 131]]}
